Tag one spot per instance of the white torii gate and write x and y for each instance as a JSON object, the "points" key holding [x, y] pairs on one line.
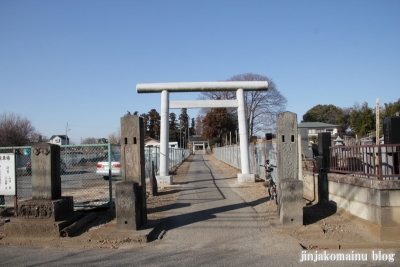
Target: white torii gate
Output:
{"points": [[239, 103]]}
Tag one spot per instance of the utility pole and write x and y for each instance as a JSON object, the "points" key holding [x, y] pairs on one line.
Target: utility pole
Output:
{"points": [[377, 108], [66, 135]]}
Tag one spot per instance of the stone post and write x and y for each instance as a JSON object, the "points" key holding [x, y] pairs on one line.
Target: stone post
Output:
{"points": [[131, 209], [324, 142], [46, 180], [127, 196], [287, 146], [153, 181], [391, 133], [47, 213], [290, 188]]}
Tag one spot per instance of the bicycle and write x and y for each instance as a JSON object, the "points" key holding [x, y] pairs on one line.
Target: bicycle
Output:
{"points": [[271, 184]]}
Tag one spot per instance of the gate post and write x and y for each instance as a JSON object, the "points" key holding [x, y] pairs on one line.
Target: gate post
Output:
{"points": [[290, 188], [48, 212], [164, 177], [130, 194], [245, 176]]}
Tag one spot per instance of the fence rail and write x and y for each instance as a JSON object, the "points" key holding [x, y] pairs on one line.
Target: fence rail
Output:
{"points": [[78, 172], [369, 161]]}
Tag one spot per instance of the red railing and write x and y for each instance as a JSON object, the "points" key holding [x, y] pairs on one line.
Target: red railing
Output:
{"points": [[371, 161]]}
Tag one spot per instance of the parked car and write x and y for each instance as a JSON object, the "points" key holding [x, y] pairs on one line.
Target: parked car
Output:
{"points": [[103, 167], [63, 168]]}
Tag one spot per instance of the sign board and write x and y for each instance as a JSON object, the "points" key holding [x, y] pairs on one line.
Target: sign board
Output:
{"points": [[7, 174]]}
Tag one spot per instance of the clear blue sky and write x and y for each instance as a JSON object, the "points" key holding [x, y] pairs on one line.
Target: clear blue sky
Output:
{"points": [[78, 62]]}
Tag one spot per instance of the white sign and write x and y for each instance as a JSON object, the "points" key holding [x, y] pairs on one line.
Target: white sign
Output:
{"points": [[7, 174]]}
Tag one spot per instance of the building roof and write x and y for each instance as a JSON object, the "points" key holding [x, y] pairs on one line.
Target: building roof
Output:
{"points": [[315, 125], [196, 138], [62, 136], [150, 140]]}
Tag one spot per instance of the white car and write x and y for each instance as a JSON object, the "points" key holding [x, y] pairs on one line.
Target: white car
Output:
{"points": [[103, 167]]}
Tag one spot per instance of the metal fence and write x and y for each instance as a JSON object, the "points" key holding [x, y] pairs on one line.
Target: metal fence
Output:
{"points": [[78, 172], [259, 153], [369, 161], [152, 154]]}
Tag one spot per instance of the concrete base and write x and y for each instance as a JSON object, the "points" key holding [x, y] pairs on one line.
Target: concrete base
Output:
{"points": [[246, 178], [110, 232], [44, 209], [38, 228], [127, 205], [290, 202], [164, 180]]}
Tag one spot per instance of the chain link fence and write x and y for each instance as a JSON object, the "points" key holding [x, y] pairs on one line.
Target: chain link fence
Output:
{"points": [[81, 176], [259, 153], [78, 164]]}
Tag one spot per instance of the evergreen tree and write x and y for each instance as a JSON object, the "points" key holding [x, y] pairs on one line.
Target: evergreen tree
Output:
{"points": [[154, 124], [173, 128], [216, 125], [146, 131], [391, 109], [192, 128], [362, 119], [323, 113], [183, 126]]}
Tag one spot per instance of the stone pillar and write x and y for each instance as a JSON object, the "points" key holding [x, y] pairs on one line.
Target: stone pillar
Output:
{"points": [[153, 181], [131, 209], [245, 176], [164, 177], [391, 130], [324, 142], [47, 213], [46, 180], [391, 133], [287, 146], [290, 188]]}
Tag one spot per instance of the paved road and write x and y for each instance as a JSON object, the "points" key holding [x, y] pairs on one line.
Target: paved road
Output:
{"points": [[209, 225], [209, 215]]}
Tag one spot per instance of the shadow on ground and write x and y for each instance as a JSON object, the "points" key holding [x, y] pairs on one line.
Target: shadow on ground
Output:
{"points": [[317, 212]]}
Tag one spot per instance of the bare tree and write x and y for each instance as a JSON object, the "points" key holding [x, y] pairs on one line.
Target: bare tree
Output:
{"points": [[89, 140], [115, 138], [15, 130], [262, 107], [199, 124]]}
